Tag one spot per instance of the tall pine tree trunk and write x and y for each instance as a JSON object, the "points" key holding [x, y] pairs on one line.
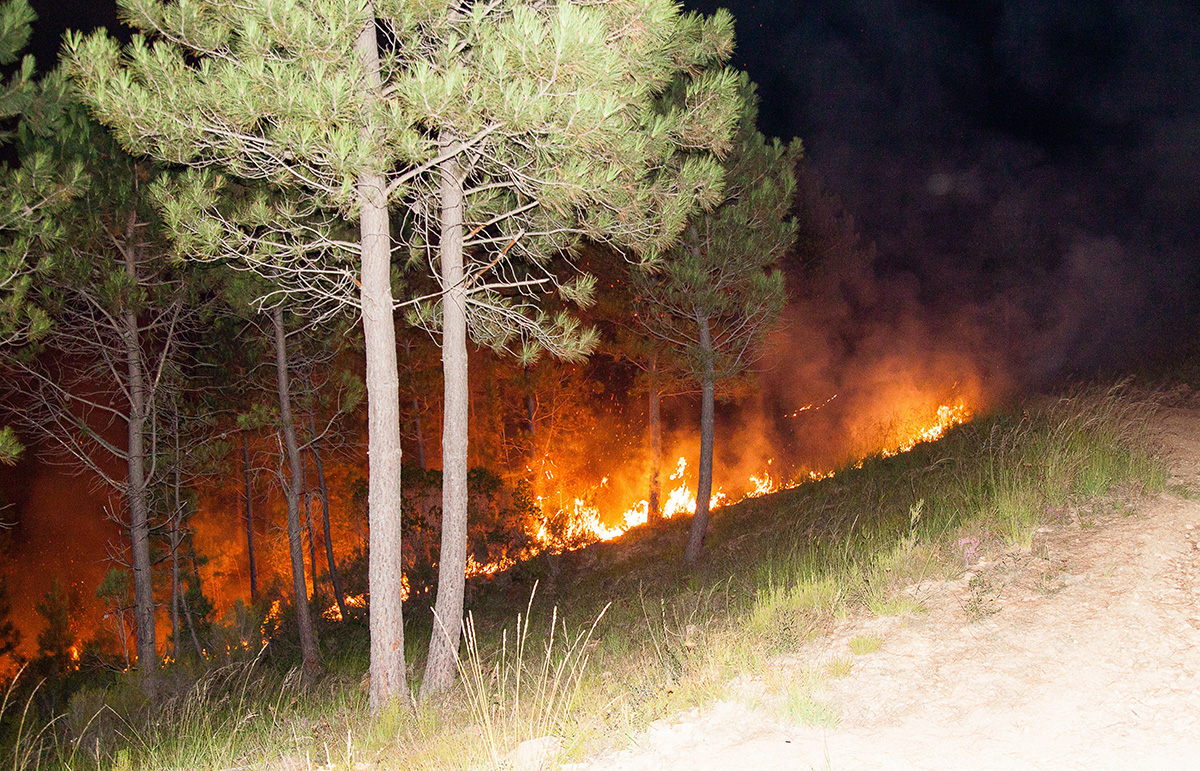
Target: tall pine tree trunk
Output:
{"points": [[654, 414], [704, 487], [175, 628], [139, 516], [383, 417], [338, 595], [447, 626], [292, 488], [249, 520]]}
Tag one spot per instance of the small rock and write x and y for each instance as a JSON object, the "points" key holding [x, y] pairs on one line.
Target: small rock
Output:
{"points": [[535, 754]]}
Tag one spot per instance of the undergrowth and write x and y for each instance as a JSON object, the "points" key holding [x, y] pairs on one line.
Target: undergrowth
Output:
{"points": [[600, 653]]}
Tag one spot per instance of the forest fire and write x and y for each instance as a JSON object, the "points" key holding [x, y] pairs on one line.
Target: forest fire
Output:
{"points": [[587, 524], [359, 601], [948, 416]]}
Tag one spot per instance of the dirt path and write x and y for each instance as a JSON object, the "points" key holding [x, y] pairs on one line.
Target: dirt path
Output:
{"points": [[1081, 654]]}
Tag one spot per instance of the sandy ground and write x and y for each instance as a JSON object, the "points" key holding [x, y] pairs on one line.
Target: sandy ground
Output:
{"points": [[1082, 653]]}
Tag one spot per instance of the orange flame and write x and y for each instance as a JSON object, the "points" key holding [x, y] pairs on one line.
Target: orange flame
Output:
{"points": [[334, 613], [271, 620], [584, 523], [587, 525]]}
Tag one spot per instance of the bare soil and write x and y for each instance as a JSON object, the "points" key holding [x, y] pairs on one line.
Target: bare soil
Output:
{"points": [[1082, 652]]}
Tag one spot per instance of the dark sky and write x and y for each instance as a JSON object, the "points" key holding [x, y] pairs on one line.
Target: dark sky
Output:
{"points": [[1036, 160]]}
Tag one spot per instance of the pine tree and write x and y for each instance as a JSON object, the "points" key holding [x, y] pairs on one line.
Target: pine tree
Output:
{"points": [[58, 638], [31, 195], [114, 591], [120, 311], [717, 292], [293, 487], [503, 132]]}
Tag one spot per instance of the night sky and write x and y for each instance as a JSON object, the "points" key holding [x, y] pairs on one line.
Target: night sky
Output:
{"points": [[1028, 173], [1032, 164]]}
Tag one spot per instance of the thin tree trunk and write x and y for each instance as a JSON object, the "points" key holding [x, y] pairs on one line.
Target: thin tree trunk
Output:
{"points": [[704, 487], [175, 516], [416, 406], [139, 518], [176, 540], [175, 588], [187, 616], [124, 639], [530, 408], [291, 493], [383, 419], [338, 595], [249, 520], [654, 512], [447, 626], [312, 539]]}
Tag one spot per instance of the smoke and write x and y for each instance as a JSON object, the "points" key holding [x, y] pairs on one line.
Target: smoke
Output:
{"points": [[63, 532], [1026, 169]]}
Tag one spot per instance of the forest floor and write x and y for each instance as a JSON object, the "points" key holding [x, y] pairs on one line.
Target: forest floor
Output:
{"points": [[1082, 651]]}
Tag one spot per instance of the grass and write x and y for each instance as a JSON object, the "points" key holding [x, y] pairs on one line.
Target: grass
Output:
{"points": [[864, 644], [603, 652], [801, 707]]}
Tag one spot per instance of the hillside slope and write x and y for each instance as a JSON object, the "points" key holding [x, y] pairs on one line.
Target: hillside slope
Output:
{"points": [[1082, 652]]}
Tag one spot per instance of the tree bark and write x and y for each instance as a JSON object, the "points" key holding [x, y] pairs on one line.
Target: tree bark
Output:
{"points": [[176, 514], [187, 616], [312, 539], [291, 492], [334, 578], [249, 520], [654, 509], [416, 406], [447, 626], [383, 418], [704, 487], [139, 521]]}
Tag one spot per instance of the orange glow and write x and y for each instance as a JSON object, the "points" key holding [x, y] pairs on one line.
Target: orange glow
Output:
{"points": [[333, 613], [948, 416], [271, 621], [566, 513], [585, 524]]}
